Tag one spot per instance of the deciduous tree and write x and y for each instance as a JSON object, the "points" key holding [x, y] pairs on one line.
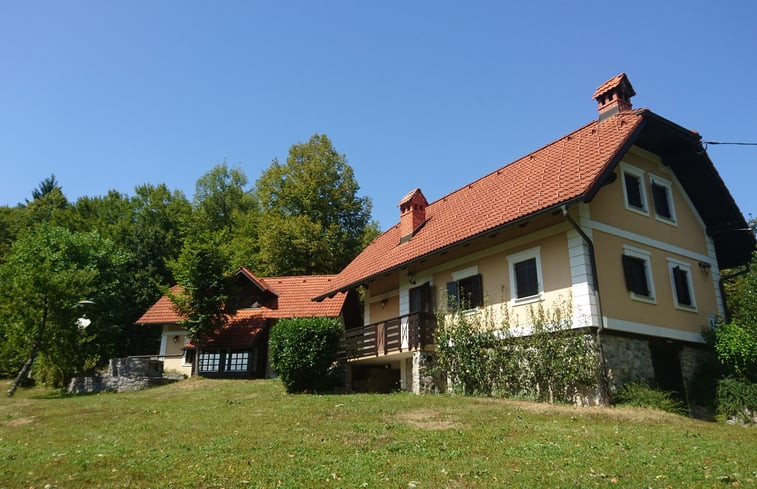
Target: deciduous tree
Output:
{"points": [[204, 301], [313, 219], [47, 273]]}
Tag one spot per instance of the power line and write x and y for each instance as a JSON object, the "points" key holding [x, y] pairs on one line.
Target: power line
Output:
{"points": [[738, 144]]}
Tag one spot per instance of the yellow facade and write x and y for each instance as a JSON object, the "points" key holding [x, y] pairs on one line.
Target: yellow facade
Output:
{"points": [[612, 228], [172, 341], [616, 228]]}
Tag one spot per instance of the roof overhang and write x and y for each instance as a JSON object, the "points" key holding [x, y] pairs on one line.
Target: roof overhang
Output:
{"points": [[445, 249]]}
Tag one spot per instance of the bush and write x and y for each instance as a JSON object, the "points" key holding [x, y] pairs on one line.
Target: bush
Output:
{"points": [[737, 398], [736, 348], [639, 394], [302, 350]]}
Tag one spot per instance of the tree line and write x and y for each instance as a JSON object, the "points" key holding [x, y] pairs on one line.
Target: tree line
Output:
{"points": [[75, 276]]}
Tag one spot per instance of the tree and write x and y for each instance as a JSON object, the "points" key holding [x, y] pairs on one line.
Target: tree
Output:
{"points": [[149, 226], [205, 299], [46, 186], [313, 220], [47, 273], [220, 196]]}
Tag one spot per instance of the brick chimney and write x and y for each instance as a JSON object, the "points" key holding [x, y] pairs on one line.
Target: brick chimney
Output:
{"points": [[412, 214], [614, 96]]}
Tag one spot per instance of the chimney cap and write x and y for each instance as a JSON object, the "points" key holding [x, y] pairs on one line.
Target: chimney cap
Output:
{"points": [[614, 96], [412, 196], [619, 82]]}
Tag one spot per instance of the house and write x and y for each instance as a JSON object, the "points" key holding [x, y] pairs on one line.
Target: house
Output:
{"points": [[240, 350], [626, 218]]}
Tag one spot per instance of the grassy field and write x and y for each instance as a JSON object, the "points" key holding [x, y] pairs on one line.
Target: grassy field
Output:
{"points": [[217, 433]]}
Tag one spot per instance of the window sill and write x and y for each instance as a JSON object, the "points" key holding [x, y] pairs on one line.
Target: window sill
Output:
{"points": [[528, 300], [665, 220], [471, 312], [643, 298], [686, 308], [638, 210]]}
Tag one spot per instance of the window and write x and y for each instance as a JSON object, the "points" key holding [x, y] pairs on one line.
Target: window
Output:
{"points": [[633, 189], [210, 361], [662, 199], [683, 290], [420, 298], [237, 361], [189, 357], [465, 293], [526, 283], [638, 274]]}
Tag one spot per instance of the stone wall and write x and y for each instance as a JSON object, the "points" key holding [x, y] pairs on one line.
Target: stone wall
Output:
{"points": [[425, 379], [124, 374], [627, 360]]}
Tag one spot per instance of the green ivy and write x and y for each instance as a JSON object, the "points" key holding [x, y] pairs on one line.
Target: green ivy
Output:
{"points": [[485, 356]]}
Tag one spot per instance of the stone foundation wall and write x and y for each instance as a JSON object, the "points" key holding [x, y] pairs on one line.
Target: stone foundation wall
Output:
{"points": [[627, 360], [425, 379], [124, 374]]}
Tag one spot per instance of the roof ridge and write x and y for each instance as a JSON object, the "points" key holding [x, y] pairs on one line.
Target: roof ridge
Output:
{"points": [[521, 158]]}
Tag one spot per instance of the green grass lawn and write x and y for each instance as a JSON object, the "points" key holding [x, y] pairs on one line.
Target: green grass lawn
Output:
{"points": [[218, 433]]}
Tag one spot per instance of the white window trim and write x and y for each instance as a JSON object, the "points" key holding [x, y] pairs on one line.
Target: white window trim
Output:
{"points": [[638, 173], [465, 273], [672, 263], [654, 179], [522, 256], [647, 257]]}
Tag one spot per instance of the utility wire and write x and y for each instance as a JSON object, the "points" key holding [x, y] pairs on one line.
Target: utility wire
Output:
{"points": [[739, 144]]}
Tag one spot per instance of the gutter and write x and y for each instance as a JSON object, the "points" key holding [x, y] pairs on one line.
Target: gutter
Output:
{"points": [[604, 384]]}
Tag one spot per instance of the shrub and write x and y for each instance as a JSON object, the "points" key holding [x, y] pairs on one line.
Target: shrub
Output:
{"points": [[302, 350], [736, 348], [639, 394], [737, 398]]}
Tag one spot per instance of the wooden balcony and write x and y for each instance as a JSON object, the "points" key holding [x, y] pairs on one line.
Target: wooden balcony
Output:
{"points": [[411, 332]]}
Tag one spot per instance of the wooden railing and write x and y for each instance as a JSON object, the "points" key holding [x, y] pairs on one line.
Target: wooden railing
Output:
{"points": [[405, 333]]}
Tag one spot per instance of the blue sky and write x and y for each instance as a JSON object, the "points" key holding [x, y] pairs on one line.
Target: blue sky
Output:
{"points": [[430, 94]]}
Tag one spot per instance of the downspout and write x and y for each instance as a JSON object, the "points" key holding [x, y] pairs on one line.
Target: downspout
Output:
{"points": [[604, 385]]}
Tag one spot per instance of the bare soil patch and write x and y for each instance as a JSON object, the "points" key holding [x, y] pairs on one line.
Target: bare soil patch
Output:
{"points": [[428, 420], [20, 422]]}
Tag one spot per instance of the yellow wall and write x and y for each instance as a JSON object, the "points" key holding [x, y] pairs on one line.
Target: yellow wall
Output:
{"points": [[494, 270], [171, 348], [608, 207], [390, 310], [617, 302]]}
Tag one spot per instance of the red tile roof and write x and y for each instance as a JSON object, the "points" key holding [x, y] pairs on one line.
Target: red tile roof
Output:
{"points": [[294, 294], [562, 171], [161, 312], [261, 283], [241, 332]]}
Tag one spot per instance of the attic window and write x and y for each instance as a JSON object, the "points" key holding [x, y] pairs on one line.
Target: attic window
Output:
{"points": [[634, 194], [662, 199]]}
